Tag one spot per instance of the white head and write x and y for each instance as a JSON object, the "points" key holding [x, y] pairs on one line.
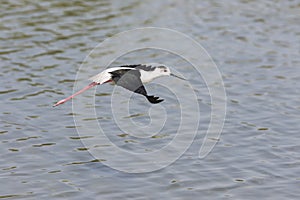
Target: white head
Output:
{"points": [[165, 71], [155, 71]]}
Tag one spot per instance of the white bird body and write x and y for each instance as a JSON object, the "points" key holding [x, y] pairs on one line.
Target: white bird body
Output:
{"points": [[130, 77], [146, 76]]}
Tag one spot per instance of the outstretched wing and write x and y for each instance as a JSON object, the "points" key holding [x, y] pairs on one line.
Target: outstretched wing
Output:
{"points": [[131, 80]]}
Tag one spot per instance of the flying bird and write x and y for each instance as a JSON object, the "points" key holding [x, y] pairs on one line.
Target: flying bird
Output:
{"points": [[130, 77]]}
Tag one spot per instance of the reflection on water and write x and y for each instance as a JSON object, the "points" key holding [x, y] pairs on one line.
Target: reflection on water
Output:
{"points": [[256, 47]]}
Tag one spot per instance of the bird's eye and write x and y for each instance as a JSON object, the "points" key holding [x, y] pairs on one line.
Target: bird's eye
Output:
{"points": [[165, 70]]}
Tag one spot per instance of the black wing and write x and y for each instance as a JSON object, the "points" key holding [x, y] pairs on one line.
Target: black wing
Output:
{"points": [[140, 66], [131, 80]]}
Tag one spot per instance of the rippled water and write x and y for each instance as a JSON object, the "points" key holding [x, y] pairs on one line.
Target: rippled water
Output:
{"points": [[256, 47]]}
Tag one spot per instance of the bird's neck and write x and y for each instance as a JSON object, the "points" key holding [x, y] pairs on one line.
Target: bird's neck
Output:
{"points": [[147, 77]]}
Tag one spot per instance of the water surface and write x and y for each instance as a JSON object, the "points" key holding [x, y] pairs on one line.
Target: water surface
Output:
{"points": [[256, 47]]}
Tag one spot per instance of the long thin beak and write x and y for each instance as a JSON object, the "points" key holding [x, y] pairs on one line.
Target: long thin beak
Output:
{"points": [[177, 77]]}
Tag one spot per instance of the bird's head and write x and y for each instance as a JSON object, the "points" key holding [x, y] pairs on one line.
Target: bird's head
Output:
{"points": [[165, 71]]}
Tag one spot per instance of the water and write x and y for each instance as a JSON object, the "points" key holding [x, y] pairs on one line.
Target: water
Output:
{"points": [[256, 48]]}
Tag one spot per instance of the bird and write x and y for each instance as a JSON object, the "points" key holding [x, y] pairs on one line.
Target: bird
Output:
{"points": [[131, 77]]}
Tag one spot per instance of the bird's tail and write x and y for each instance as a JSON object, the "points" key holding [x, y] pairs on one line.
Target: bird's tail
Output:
{"points": [[153, 99]]}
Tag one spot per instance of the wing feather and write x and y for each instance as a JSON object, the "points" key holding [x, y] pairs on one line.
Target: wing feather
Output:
{"points": [[131, 80]]}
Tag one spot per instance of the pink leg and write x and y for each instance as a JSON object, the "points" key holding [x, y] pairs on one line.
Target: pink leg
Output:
{"points": [[77, 93]]}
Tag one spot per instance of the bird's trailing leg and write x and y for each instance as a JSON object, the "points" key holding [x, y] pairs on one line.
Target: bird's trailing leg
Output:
{"points": [[77, 93]]}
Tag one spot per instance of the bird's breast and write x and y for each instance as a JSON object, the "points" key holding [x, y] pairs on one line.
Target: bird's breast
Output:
{"points": [[147, 77]]}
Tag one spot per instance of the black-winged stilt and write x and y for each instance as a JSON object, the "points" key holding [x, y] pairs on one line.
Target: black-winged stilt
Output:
{"points": [[131, 77]]}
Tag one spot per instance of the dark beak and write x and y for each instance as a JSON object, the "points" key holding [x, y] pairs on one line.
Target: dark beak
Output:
{"points": [[177, 77]]}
